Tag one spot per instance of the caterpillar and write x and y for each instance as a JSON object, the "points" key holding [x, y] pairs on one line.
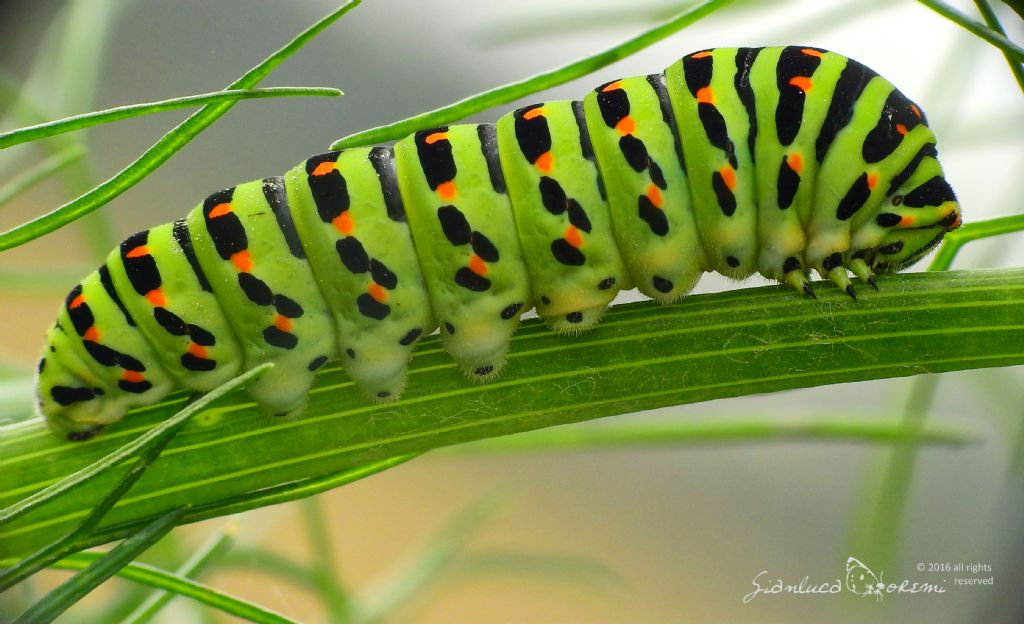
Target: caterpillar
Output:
{"points": [[776, 160]]}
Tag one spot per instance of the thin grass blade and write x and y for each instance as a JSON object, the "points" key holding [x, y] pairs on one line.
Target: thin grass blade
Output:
{"points": [[1010, 49], [507, 93]]}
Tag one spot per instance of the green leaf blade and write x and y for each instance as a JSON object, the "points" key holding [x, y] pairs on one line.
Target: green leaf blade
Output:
{"points": [[643, 356]]}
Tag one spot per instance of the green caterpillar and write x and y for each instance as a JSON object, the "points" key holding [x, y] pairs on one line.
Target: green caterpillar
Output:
{"points": [[735, 160]]}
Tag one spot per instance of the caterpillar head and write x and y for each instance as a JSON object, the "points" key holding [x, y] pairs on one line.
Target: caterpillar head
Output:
{"points": [[71, 406]]}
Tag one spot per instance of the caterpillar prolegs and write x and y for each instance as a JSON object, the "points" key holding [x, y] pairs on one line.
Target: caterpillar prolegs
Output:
{"points": [[770, 160]]}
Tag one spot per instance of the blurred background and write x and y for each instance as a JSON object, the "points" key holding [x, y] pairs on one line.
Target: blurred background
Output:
{"points": [[665, 534]]}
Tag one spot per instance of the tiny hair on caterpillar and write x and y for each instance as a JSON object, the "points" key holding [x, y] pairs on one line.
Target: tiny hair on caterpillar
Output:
{"points": [[777, 160]]}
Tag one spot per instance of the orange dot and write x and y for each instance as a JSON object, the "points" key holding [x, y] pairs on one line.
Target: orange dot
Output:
{"points": [[282, 322], [901, 128], [872, 180], [533, 112], [812, 52], [324, 168], [573, 236], [477, 265], [705, 95], [801, 82], [446, 190], [242, 260], [654, 194], [377, 292], [92, 334], [219, 210], [626, 125], [156, 297], [796, 162], [728, 176], [138, 252], [612, 86], [344, 223], [700, 55], [133, 376], [545, 162], [907, 221], [434, 137], [77, 301], [917, 111], [198, 350]]}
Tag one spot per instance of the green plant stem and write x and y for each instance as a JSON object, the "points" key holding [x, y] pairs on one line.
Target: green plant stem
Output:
{"points": [[164, 148], [771, 427], [88, 120], [161, 579], [156, 436], [107, 565], [969, 232], [512, 91], [642, 356], [329, 585], [42, 170], [213, 549], [1009, 48], [993, 22]]}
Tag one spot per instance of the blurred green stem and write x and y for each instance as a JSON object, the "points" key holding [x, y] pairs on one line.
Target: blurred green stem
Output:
{"points": [[331, 590]]}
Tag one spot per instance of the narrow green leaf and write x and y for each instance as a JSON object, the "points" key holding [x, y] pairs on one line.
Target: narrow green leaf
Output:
{"points": [[163, 149], [80, 477], [61, 599], [215, 546], [993, 22], [512, 91], [179, 585], [969, 232], [751, 429], [41, 171], [1009, 48], [642, 356], [88, 120]]}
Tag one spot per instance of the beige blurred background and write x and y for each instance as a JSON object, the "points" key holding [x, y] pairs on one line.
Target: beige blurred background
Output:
{"points": [[684, 530]]}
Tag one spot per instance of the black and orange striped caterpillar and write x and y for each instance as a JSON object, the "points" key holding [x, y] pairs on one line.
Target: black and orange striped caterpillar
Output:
{"points": [[735, 160]]}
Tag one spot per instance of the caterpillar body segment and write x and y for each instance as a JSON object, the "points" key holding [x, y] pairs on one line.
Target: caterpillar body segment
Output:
{"points": [[779, 161]]}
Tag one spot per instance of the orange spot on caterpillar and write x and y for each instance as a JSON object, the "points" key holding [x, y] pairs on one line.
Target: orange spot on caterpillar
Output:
{"points": [[705, 95], [138, 252], [907, 221], [795, 162], [477, 265], [132, 376], [446, 190], [801, 82], [573, 236], [956, 223], [77, 301], [917, 111], [626, 125], [242, 260], [700, 55], [219, 210], [344, 223], [324, 168], [612, 86], [812, 52], [533, 112], [92, 334], [156, 297], [872, 180], [198, 350], [654, 194], [728, 176], [901, 128], [377, 292], [283, 323], [434, 137], [545, 162]]}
